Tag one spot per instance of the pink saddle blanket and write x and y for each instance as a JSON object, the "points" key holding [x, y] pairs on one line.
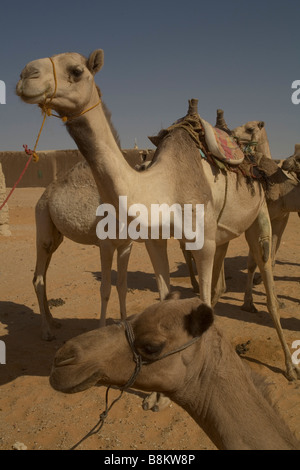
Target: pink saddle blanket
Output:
{"points": [[222, 145]]}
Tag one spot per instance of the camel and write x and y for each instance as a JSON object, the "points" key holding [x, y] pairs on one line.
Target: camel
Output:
{"points": [[65, 84], [254, 132], [181, 353], [282, 198], [292, 163], [68, 208]]}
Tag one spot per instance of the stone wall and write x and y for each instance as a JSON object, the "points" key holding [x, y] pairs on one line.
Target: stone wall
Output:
{"points": [[4, 215], [51, 163]]}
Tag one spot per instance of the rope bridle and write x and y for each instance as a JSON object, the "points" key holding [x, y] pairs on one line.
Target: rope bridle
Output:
{"points": [[47, 111], [139, 362]]}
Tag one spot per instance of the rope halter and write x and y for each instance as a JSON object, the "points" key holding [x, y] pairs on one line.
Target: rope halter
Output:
{"points": [[47, 111]]}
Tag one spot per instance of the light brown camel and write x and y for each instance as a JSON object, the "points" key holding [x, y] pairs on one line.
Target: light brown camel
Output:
{"points": [[282, 198], [65, 84], [254, 131], [68, 208], [292, 164], [207, 378]]}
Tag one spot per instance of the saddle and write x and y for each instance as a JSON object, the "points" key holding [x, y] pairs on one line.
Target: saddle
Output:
{"points": [[208, 139], [221, 144]]}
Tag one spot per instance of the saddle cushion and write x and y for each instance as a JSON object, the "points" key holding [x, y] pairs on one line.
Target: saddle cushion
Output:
{"points": [[222, 145]]}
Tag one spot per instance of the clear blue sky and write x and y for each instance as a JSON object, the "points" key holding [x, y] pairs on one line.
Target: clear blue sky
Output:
{"points": [[238, 55]]}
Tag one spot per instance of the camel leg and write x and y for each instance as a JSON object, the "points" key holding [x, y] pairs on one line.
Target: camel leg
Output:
{"points": [[157, 250], [204, 260], [189, 261], [122, 263], [218, 277], [48, 240], [278, 227], [248, 304], [259, 239], [107, 249]]}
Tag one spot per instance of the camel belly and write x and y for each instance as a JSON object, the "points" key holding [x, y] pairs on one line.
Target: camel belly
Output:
{"points": [[237, 209]]}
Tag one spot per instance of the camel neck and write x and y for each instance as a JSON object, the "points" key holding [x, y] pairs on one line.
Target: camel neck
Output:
{"points": [[94, 138], [263, 145], [224, 401]]}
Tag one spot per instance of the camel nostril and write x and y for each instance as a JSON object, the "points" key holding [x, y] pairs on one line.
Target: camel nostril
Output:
{"points": [[30, 72], [67, 356], [64, 362]]}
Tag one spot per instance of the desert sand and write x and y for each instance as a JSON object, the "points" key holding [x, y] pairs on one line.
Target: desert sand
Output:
{"points": [[32, 413]]}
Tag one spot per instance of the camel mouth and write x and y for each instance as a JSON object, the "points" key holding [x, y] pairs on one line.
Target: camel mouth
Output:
{"points": [[28, 96], [59, 381]]}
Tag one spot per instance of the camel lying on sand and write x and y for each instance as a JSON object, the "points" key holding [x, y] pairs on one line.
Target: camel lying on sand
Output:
{"points": [[174, 347], [65, 83]]}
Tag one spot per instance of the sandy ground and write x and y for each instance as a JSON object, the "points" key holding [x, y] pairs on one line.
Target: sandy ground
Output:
{"points": [[41, 418]]}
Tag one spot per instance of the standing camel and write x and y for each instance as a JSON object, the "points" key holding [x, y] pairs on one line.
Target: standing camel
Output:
{"points": [[180, 352], [68, 208], [65, 83], [254, 132]]}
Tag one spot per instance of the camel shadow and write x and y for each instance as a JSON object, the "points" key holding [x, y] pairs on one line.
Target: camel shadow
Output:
{"points": [[235, 312], [141, 281], [26, 352]]}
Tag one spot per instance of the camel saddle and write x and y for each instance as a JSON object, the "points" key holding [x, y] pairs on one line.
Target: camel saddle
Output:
{"points": [[220, 144]]}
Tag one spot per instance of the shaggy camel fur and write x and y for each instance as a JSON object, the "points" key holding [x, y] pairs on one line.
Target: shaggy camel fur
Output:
{"points": [[208, 379], [65, 83]]}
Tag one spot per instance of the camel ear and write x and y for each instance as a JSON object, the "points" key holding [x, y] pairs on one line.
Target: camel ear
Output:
{"points": [[95, 61], [199, 320], [261, 124]]}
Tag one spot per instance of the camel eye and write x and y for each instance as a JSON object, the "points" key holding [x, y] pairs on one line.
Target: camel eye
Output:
{"points": [[152, 349], [249, 130], [76, 72]]}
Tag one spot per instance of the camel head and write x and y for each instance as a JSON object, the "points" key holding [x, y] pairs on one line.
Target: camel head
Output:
{"points": [[65, 80], [292, 164], [105, 356], [249, 132]]}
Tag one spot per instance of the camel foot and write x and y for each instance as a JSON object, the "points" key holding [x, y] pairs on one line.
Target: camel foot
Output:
{"points": [[47, 335], [248, 306], [293, 372], [156, 402], [280, 305]]}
